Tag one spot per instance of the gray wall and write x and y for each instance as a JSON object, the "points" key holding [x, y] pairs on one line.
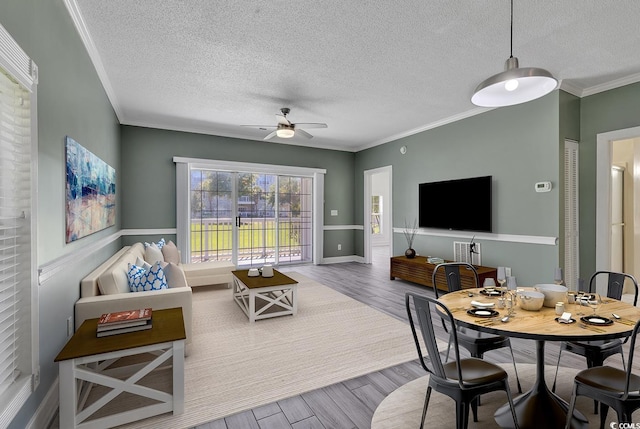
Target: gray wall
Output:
{"points": [[148, 175], [71, 101], [518, 146], [608, 111]]}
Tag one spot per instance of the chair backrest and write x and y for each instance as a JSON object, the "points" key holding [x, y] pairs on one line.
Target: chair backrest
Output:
{"points": [[426, 309], [615, 284], [632, 347], [452, 275]]}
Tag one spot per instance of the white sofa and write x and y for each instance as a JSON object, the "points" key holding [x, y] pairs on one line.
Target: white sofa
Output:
{"points": [[111, 277]]}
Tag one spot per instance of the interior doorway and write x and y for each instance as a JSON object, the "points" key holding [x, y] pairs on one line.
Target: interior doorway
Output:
{"points": [[378, 216], [617, 208]]}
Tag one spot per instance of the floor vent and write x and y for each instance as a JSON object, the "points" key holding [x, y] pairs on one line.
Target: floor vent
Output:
{"points": [[461, 253]]}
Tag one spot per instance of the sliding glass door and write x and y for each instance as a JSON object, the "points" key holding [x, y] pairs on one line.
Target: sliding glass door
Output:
{"points": [[250, 218]]}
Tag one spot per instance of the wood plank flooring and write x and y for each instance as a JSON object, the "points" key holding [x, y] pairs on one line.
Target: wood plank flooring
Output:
{"points": [[351, 403]]}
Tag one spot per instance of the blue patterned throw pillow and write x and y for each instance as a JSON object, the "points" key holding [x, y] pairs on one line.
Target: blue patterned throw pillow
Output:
{"points": [[159, 244], [143, 280]]}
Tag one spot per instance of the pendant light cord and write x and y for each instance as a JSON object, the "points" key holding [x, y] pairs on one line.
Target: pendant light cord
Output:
{"points": [[511, 48]]}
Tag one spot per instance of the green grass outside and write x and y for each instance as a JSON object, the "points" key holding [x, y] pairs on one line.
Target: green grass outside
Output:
{"points": [[262, 234]]}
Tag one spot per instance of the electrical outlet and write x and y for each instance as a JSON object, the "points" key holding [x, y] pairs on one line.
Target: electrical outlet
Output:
{"points": [[70, 326], [339, 246], [507, 271]]}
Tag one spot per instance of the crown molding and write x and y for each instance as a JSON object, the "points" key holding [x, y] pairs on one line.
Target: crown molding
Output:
{"points": [[567, 86], [617, 83], [83, 31]]}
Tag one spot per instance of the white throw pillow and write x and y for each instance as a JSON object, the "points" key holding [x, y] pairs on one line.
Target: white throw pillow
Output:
{"points": [[175, 275], [114, 280], [153, 254], [170, 252]]}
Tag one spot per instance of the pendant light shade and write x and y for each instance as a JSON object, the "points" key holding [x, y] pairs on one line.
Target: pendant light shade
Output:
{"points": [[514, 85]]}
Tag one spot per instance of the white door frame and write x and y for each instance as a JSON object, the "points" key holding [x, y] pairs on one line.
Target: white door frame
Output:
{"points": [[367, 210], [604, 148]]}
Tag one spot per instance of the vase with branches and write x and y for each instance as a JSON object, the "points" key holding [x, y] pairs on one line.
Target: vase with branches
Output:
{"points": [[410, 233]]}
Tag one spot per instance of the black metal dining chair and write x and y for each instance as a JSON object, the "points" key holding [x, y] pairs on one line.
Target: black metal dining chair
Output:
{"points": [[476, 342], [463, 380], [595, 352], [611, 387]]}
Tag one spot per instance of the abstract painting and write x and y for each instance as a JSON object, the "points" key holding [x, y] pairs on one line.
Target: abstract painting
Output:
{"points": [[90, 192]]}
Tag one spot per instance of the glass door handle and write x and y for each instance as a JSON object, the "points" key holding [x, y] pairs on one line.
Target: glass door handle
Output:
{"points": [[238, 221]]}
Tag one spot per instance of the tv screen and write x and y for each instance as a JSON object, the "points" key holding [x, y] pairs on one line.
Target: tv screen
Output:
{"points": [[462, 204]]}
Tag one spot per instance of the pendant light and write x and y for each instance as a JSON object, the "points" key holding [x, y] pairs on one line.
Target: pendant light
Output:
{"points": [[514, 85]]}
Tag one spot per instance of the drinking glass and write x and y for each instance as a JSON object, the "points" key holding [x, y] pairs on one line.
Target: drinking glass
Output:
{"points": [[501, 277], [557, 277], [595, 301]]}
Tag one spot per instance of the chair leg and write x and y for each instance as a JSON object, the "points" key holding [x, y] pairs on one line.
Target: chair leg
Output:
{"points": [[462, 414], [512, 406], [446, 358], [474, 408], [424, 408], [604, 410], [572, 405], [555, 377], [513, 359]]}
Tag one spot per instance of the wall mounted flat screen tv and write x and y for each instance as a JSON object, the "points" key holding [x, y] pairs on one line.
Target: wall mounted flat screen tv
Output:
{"points": [[460, 205]]}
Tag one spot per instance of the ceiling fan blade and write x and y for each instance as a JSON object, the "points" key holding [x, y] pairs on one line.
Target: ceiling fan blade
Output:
{"points": [[259, 126], [303, 133], [270, 136], [311, 125], [282, 119]]}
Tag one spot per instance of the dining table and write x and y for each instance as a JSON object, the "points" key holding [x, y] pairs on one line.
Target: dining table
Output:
{"points": [[539, 407]]}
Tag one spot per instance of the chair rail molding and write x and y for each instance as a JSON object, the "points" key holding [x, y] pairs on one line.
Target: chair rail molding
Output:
{"points": [[512, 238]]}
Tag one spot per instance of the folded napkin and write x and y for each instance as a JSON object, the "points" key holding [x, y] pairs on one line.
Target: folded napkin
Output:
{"points": [[482, 304], [565, 318]]}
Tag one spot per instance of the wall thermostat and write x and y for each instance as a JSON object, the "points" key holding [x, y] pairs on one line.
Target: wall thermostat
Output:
{"points": [[543, 186]]}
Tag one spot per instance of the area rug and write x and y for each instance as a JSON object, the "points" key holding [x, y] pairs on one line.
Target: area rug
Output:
{"points": [[403, 407], [233, 365]]}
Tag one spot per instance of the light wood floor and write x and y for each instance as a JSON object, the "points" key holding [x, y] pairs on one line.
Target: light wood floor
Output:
{"points": [[351, 403]]}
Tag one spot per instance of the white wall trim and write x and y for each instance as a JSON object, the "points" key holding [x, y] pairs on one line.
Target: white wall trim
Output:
{"points": [[341, 259], [627, 80], [158, 231], [513, 238], [342, 227], [47, 408]]}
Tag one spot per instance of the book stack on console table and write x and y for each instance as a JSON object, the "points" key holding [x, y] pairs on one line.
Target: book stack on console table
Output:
{"points": [[124, 321]]}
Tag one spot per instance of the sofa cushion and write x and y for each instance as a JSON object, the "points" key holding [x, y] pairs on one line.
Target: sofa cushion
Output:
{"points": [[153, 254], [170, 252], [114, 280], [145, 280], [142, 263], [175, 275]]}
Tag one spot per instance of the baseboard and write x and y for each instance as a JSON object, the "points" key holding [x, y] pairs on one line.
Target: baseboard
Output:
{"points": [[47, 410], [341, 259]]}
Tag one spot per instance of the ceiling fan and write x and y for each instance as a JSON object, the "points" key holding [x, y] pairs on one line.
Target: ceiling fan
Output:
{"points": [[286, 129]]}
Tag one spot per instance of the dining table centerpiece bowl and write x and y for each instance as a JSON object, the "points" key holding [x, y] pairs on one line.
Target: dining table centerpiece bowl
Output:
{"points": [[552, 293], [531, 300]]}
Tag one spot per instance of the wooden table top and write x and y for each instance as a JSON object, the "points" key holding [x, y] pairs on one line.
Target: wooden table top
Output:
{"points": [[167, 325], [541, 325], [278, 279]]}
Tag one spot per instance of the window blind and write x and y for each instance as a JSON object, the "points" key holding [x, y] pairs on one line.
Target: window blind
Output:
{"points": [[15, 202], [571, 227]]}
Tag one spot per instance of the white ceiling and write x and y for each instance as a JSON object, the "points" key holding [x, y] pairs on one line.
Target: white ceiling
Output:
{"points": [[373, 70]]}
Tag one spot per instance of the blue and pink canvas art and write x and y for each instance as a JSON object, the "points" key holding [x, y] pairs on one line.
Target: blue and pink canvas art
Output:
{"points": [[90, 192]]}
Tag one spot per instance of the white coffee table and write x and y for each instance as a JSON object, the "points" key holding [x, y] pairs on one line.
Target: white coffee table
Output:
{"points": [[265, 297]]}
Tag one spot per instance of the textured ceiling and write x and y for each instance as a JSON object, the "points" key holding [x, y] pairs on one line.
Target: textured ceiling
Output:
{"points": [[372, 70]]}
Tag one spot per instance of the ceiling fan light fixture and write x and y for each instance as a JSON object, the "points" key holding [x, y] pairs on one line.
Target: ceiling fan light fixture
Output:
{"points": [[285, 133], [514, 85]]}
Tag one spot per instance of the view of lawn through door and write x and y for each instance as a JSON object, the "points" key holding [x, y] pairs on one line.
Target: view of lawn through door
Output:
{"points": [[250, 218]]}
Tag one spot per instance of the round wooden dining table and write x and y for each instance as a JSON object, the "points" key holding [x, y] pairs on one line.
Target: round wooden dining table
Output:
{"points": [[539, 407]]}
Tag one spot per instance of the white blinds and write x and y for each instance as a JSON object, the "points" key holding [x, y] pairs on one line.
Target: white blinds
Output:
{"points": [[15, 240], [571, 227]]}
